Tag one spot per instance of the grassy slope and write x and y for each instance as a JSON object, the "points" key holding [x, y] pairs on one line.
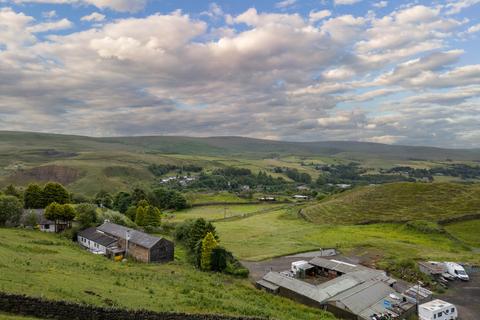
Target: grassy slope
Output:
{"points": [[220, 212], [39, 264], [277, 233], [397, 202], [467, 231], [4, 316]]}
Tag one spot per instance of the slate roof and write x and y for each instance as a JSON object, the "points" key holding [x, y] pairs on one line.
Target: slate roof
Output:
{"points": [[139, 238], [98, 237]]}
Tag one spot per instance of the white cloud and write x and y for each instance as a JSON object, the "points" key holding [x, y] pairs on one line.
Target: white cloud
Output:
{"points": [[319, 15], [265, 74], [474, 29], [380, 4], [51, 26], [285, 4], [94, 16], [117, 5], [49, 14], [346, 2], [456, 6]]}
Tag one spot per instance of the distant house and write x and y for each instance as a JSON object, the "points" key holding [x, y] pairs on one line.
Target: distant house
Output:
{"points": [[300, 197], [112, 239], [43, 223]]}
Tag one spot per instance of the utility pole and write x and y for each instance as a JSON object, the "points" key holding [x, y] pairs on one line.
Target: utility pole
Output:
{"points": [[127, 237]]}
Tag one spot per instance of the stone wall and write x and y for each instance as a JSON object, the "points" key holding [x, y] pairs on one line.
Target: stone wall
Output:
{"points": [[49, 309]]}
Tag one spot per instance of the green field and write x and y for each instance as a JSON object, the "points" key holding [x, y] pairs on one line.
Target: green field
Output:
{"points": [[4, 316], [397, 202], [466, 231], [280, 233], [40, 264], [217, 212]]}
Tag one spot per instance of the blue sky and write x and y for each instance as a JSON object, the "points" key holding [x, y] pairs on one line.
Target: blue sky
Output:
{"points": [[401, 72]]}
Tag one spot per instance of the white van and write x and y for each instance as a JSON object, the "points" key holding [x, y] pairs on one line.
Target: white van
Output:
{"points": [[457, 271], [437, 310]]}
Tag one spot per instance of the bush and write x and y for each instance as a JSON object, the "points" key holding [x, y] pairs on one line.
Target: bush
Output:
{"points": [[115, 217]]}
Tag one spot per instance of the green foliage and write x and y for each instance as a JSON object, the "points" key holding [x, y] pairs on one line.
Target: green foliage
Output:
{"points": [[208, 244], [86, 215], [406, 269], [131, 213], [138, 195], [219, 259], [141, 215], [55, 192], [31, 219], [122, 201], [33, 197], [424, 226], [59, 212], [152, 216], [10, 190], [115, 217], [10, 210], [104, 199], [168, 199]]}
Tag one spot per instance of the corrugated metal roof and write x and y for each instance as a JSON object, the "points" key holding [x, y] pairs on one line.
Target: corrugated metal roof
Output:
{"points": [[363, 296], [300, 287], [140, 238], [268, 285], [338, 266], [98, 237]]}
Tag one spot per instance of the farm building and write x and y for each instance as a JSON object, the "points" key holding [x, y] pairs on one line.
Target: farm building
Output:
{"points": [[139, 245], [43, 223], [96, 241], [348, 291]]}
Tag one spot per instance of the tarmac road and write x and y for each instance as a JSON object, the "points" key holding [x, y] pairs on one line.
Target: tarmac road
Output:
{"points": [[466, 296]]}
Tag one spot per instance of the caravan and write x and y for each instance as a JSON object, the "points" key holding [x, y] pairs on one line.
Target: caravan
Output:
{"points": [[437, 310]]}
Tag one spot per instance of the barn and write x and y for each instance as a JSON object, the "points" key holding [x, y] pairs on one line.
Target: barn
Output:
{"points": [[139, 245]]}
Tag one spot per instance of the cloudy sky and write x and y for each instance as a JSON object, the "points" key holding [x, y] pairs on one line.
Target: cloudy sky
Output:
{"points": [[404, 72]]}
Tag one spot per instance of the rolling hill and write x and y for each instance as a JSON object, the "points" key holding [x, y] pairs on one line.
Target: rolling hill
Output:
{"points": [[397, 202], [87, 165]]}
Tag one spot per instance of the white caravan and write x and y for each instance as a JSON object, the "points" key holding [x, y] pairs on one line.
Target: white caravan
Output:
{"points": [[456, 270], [437, 310]]}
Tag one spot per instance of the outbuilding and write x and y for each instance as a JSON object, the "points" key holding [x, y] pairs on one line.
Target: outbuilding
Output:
{"points": [[95, 241]]}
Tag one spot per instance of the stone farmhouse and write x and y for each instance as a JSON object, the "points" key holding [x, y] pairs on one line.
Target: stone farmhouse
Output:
{"points": [[116, 241]]}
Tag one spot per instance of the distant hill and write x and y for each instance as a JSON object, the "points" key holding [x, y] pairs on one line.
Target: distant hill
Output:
{"points": [[218, 146], [397, 202]]}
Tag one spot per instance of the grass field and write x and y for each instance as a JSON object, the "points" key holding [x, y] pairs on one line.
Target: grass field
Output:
{"points": [[467, 231], [221, 211], [40, 264], [397, 202], [4, 316], [279, 233]]}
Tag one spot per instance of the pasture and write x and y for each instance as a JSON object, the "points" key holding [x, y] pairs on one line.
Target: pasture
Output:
{"points": [[45, 265]]}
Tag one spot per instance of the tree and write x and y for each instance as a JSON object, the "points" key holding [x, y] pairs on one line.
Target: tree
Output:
{"points": [[131, 213], [59, 212], [178, 201], [138, 195], [55, 192], [10, 210], [31, 219], [208, 244], [33, 197], [219, 259], [199, 230], [140, 217], [104, 199], [122, 201], [54, 212], [10, 190], [152, 216], [86, 215]]}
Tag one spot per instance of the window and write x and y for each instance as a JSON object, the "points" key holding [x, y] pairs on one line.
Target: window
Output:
{"points": [[46, 226], [452, 310], [439, 314], [434, 316]]}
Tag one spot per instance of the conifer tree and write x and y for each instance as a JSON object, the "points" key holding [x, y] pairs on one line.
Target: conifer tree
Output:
{"points": [[208, 244]]}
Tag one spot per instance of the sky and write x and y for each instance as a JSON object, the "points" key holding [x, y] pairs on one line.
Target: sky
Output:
{"points": [[395, 72]]}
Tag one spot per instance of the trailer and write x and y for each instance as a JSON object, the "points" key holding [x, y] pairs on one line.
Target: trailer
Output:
{"points": [[437, 310]]}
